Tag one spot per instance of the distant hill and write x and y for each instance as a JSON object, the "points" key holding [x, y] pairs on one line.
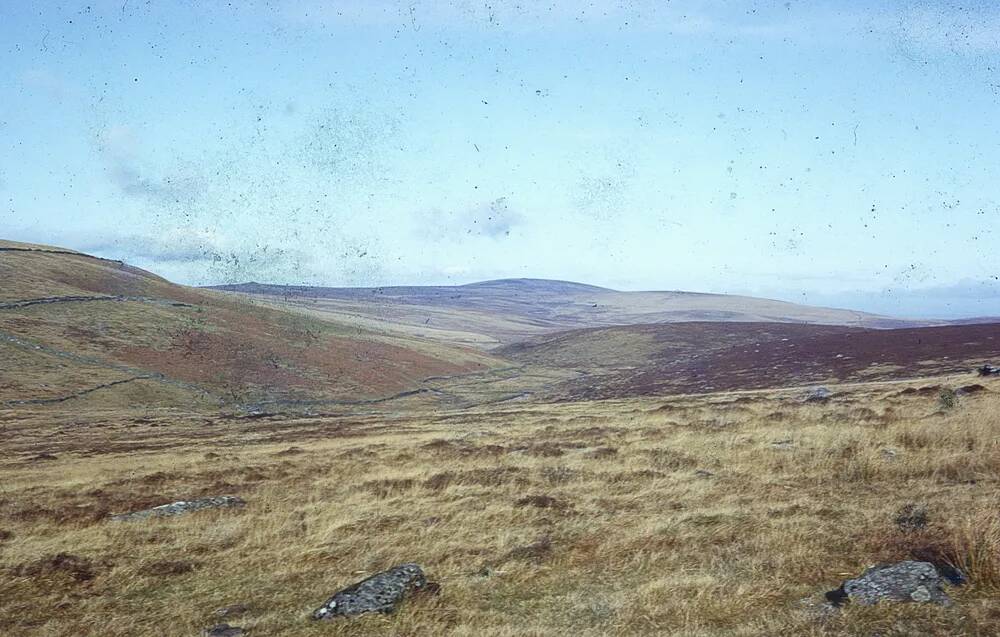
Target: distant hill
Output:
{"points": [[81, 331], [495, 313], [663, 359], [93, 331]]}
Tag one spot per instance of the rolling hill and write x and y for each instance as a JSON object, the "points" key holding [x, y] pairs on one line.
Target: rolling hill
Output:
{"points": [[702, 357], [85, 331], [77, 327], [495, 313]]}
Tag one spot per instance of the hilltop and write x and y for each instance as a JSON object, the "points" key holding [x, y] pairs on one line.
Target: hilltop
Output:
{"points": [[495, 313]]}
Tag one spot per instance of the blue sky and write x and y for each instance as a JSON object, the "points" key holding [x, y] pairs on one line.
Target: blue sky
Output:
{"points": [[843, 153]]}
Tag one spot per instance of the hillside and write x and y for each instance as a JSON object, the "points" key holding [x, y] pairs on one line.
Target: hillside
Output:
{"points": [[495, 313], [76, 327], [702, 357]]}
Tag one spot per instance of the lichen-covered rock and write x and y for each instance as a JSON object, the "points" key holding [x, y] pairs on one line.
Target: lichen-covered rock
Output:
{"points": [[908, 581], [379, 593], [183, 506]]}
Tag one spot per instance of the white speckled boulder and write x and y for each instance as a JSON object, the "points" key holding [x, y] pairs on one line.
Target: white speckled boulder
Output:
{"points": [[379, 593], [183, 506], [908, 581]]}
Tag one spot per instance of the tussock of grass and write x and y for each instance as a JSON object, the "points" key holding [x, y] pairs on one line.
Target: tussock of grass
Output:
{"points": [[697, 523]]}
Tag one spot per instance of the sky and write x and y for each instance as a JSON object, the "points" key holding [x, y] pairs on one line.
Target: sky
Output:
{"points": [[839, 153]]}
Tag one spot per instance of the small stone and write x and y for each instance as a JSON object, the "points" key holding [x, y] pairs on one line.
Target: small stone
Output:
{"points": [[232, 610]]}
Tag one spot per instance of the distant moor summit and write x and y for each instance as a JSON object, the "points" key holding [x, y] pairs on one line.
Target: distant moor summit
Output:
{"points": [[493, 313]]}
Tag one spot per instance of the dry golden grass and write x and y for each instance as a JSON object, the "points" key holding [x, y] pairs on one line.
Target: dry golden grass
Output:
{"points": [[677, 516]]}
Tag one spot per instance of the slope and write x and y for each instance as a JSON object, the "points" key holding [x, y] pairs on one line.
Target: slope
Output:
{"points": [[703, 356], [75, 326]]}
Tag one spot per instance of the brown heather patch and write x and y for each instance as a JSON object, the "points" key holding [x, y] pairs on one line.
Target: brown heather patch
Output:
{"points": [[73, 567], [536, 552], [494, 477], [544, 450], [166, 568], [541, 501]]}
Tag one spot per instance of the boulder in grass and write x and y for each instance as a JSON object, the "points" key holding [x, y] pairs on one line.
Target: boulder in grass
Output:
{"points": [[818, 395], [380, 593], [907, 581], [181, 507]]}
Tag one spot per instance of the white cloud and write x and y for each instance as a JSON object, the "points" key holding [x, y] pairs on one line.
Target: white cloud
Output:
{"points": [[120, 147], [492, 220]]}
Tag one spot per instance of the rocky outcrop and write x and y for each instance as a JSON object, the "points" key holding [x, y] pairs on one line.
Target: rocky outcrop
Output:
{"points": [[380, 593], [181, 507], [907, 581]]}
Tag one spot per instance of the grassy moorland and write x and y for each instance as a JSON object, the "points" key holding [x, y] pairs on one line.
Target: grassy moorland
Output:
{"points": [[692, 515]]}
